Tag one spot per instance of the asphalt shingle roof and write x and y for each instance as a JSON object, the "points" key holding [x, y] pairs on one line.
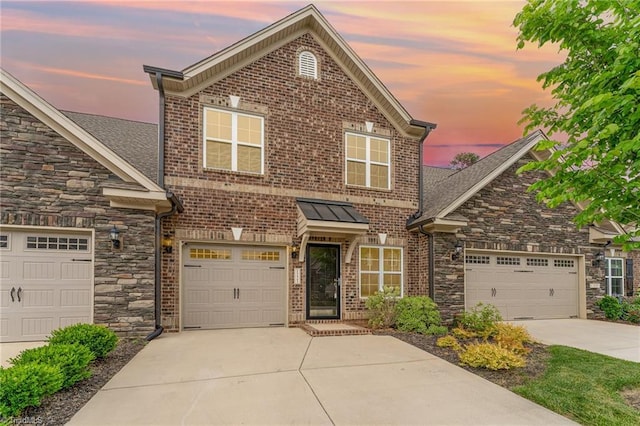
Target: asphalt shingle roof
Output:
{"points": [[134, 141], [440, 192]]}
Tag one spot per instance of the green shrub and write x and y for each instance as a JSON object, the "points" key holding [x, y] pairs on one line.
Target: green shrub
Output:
{"points": [[437, 330], [23, 386], [99, 339], [73, 360], [480, 319], [417, 314], [631, 310], [490, 356], [449, 342], [611, 307], [512, 337], [381, 307]]}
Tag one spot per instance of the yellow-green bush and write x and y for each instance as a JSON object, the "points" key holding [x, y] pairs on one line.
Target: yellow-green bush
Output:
{"points": [[512, 337], [490, 356], [463, 333], [449, 342]]}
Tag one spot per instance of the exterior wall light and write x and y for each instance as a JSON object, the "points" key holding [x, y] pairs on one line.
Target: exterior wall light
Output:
{"points": [[167, 243], [114, 235], [457, 250], [294, 250], [599, 258]]}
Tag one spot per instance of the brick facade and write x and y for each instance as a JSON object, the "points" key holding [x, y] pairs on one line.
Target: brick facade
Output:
{"points": [[304, 122], [504, 216], [48, 182]]}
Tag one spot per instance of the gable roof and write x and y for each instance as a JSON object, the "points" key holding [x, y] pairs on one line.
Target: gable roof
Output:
{"points": [[444, 195], [431, 175], [146, 194], [134, 140], [306, 20]]}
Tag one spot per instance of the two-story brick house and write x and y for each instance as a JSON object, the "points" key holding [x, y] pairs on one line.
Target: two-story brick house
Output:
{"points": [[298, 170]]}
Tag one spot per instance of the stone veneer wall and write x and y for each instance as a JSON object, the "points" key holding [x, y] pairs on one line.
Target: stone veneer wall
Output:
{"points": [[47, 182], [504, 216], [304, 123]]}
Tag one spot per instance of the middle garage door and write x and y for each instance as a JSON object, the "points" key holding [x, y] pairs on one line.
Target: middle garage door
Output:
{"points": [[523, 286], [233, 286]]}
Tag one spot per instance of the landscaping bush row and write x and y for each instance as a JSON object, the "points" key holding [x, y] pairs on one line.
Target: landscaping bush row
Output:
{"points": [[39, 372], [624, 309], [490, 343]]}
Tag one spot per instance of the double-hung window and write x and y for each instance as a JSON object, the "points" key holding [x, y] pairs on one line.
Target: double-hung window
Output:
{"points": [[368, 161], [614, 276], [380, 266], [233, 141]]}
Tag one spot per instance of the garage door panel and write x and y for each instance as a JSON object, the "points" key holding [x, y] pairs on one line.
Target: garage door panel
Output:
{"points": [[243, 288], [52, 282], [523, 286], [4, 327]]}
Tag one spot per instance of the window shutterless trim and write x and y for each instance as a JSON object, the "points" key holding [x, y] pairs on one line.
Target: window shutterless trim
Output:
{"points": [[381, 272], [233, 142], [367, 161]]}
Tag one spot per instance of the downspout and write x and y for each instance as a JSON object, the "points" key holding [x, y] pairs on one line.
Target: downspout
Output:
{"points": [[432, 265], [428, 127], [158, 222]]}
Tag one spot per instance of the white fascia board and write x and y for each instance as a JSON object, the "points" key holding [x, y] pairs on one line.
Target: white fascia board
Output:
{"points": [[491, 176], [139, 200], [68, 129]]}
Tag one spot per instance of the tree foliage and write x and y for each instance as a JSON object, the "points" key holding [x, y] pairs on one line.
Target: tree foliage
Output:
{"points": [[597, 108], [464, 159]]}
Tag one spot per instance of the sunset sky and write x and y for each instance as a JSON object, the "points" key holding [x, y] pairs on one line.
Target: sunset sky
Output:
{"points": [[450, 62]]}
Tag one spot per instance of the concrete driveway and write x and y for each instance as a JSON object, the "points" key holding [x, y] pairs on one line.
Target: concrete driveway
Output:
{"points": [[616, 340], [284, 376]]}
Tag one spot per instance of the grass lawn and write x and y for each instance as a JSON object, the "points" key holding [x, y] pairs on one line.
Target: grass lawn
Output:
{"points": [[585, 387]]}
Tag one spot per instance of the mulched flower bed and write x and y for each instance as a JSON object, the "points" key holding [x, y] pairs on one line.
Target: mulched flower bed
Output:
{"points": [[58, 409], [536, 359]]}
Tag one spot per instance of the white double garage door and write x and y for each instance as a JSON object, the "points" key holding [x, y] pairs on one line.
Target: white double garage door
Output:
{"points": [[45, 282], [523, 286], [227, 286]]}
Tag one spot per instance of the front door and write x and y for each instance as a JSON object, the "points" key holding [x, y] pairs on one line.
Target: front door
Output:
{"points": [[323, 281]]}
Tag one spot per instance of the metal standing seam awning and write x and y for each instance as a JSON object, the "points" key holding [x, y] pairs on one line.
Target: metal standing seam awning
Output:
{"points": [[335, 218]]}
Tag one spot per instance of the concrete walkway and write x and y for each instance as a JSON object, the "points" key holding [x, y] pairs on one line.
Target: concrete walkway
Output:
{"points": [[616, 340], [12, 350], [284, 376]]}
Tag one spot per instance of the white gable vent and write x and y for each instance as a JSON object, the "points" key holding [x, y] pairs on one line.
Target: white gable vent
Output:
{"points": [[308, 65]]}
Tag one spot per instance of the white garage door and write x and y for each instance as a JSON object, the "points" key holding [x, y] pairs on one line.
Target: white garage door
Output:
{"points": [[233, 286], [523, 286], [45, 283]]}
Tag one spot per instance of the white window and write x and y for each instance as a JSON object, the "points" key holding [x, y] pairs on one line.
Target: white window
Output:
{"points": [[307, 65], [368, 161], [380, 266], [233, 141], [614, 276]]}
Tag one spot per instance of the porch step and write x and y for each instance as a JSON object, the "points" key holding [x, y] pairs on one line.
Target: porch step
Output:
{"points": [[320, 328]]}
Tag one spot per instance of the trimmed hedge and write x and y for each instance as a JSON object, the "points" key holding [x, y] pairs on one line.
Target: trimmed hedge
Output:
{"points": [[73, 360], [99, 339], [23, 386]]}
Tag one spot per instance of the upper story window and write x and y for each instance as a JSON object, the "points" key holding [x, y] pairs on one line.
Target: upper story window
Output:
{"points": [[233, 141], [307, 65], [368, 161]]}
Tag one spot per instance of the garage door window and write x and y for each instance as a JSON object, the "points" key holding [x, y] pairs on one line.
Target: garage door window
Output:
{"points": [[500, 260], [477, 260], [267, 255], [537, 262], [614, 277], [563, 263], [4, 241], [57, 243], [214, 254], [380, 266]]}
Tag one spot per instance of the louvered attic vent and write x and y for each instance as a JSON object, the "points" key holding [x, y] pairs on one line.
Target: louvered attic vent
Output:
{"points": [[308, 65]]}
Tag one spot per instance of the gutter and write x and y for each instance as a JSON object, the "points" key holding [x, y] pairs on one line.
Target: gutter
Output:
{"points": [[176, 205], [428, 127]]}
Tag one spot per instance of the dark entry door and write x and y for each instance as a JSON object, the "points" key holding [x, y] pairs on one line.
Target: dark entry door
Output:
{"points": [[323, 281]]}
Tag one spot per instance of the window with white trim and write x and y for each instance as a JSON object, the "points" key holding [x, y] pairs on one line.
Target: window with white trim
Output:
{"points": [[380, 266], [368, 161], [233, 141], [614, 276], [307, 65]]}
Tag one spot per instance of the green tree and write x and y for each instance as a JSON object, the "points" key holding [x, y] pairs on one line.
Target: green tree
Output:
{"points": [[464, 159], [597, 108]]}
